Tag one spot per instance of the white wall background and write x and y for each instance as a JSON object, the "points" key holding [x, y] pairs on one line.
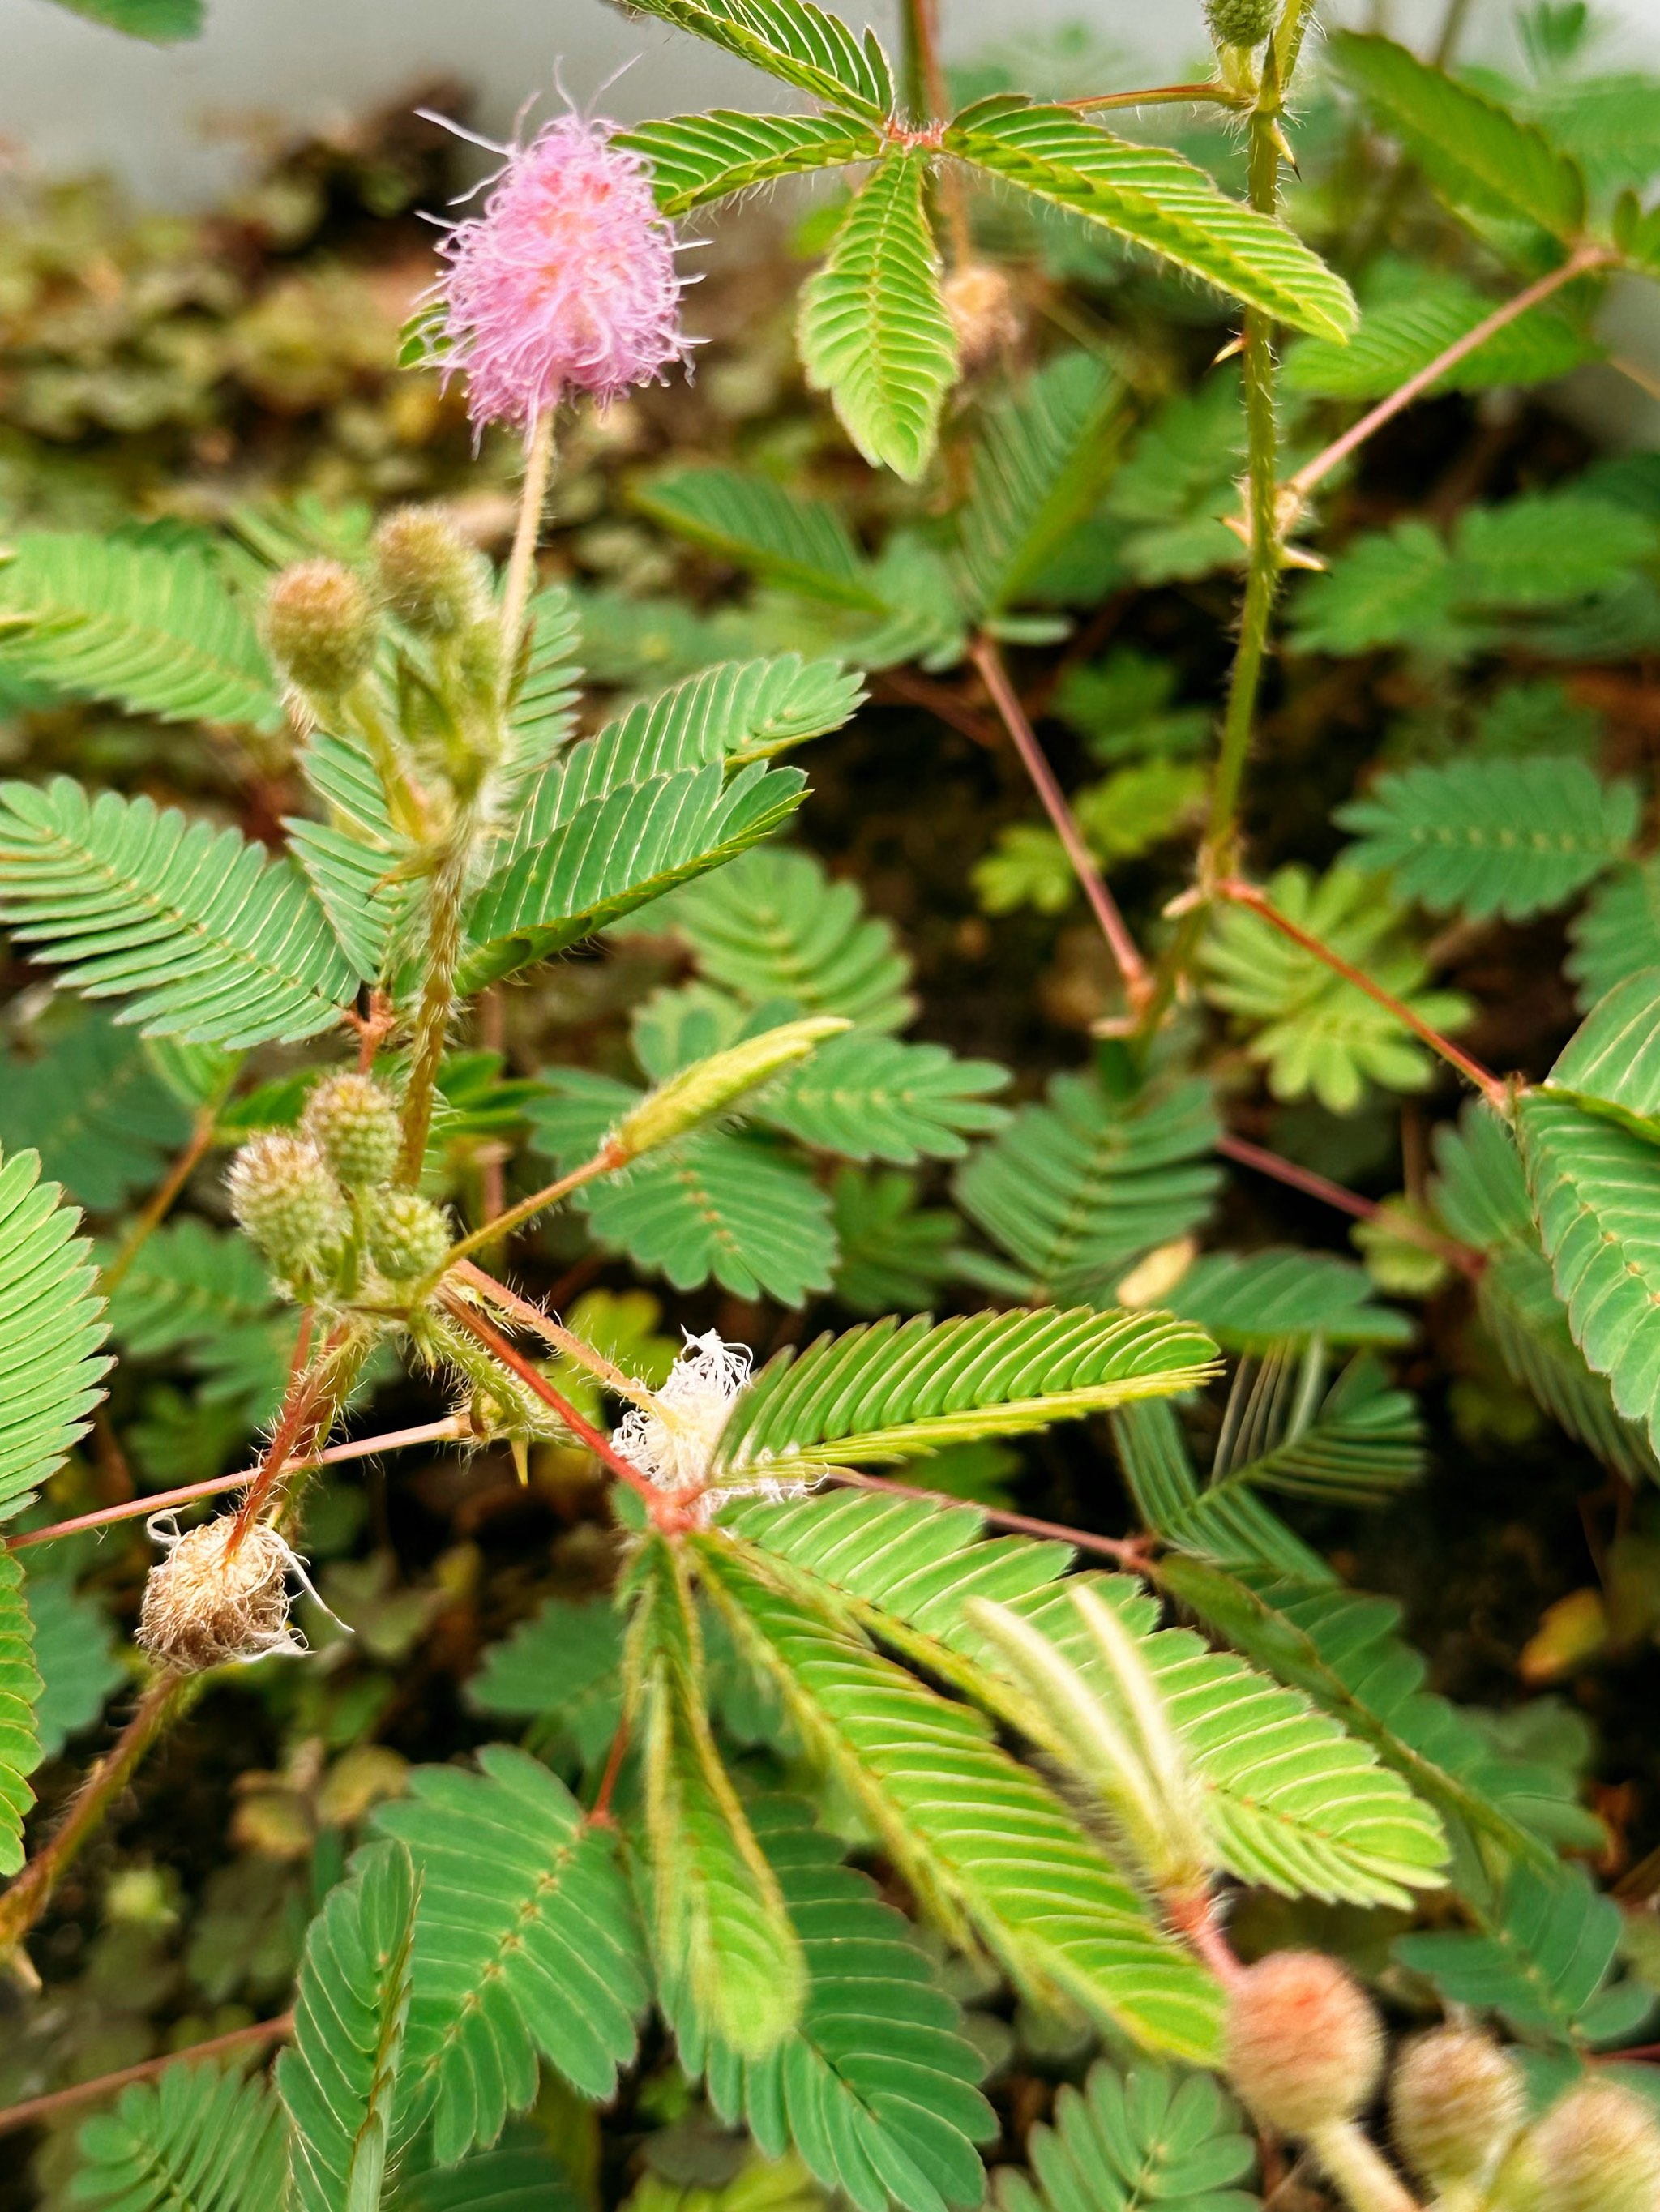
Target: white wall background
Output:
{"points": [[178, 123]]}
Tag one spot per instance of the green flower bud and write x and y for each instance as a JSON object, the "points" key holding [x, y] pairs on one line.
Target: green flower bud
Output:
{"points": [[353, 1124], [1598, 2150], [407, 1235], [1239, 22], [1457, 2101], [1304, 2045], [285, 1199], [433, 580], [320, 628], [710, 1086]]}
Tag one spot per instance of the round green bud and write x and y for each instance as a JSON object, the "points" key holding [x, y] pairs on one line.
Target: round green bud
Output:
{"points": [[1239, 22], [1598, 2150], [1304, 2045], [353, 1124], [320, 628], [433, 580], [407, 1235], [286, 1201], [1458, 2102]]}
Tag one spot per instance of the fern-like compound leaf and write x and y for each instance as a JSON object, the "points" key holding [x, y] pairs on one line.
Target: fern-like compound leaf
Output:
{"points": [[20, 1689], [894, 1254], [1617, 933], [619, 851], [338, 2078], [1541, 1961], [562, 1667], [793, 40], [75, 1650], [1341, 1647], [773, 926], [1596, 1189], [697, 158], [520, 2175], [1321, 1817], [542, 714], [1480, 838], [867, 1096], [1151, 197], [1473, 150], [1078, 1188], [1040, 465], [720, 1204], [526, 1941], [1251, 1301], [1225, 1521], [357, 862], [892, 1390], [1031, 1885], [195, 2140], [1425, 312], [50, 1332], [873, 329], [728, 1959], [874, 2086], [1145, 2138], [1481, 1194], [151, 627], [94, 1109], [750, 520], [205, 937]]}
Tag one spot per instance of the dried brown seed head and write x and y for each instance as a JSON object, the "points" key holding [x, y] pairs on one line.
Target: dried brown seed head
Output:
{"points": [[212, 1601]]}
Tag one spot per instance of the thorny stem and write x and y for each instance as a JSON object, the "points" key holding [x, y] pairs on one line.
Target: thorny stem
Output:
{"points": [[1462, 1256], [664, 1506], [88, 2092], [1247, 895], [606, 1161], [29, 1895], [1162, 96], [297, 1397], [538, 469], [452, 1428], [560, 1339], [159, 1206], [1138, 982], [1583, 259]]}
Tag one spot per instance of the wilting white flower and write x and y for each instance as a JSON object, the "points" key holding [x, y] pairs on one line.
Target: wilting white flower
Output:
{"points": [[672, 1442]]}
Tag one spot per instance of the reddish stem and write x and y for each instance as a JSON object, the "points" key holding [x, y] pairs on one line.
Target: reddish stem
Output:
{"points": [[1247, 895], [105, 2084], [298, 1399], [1351, 1202], [1130, 1552], [1196, 1920], [1138, 982], [599, 1814], [662, 1505], [158, 1502]]}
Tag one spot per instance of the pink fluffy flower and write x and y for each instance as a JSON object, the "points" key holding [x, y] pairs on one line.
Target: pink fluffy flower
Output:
{"points": [[566, 282]]}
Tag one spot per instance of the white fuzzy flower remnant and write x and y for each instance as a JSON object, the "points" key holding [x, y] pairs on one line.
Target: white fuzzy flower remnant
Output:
{"points": [[672, 1442]]}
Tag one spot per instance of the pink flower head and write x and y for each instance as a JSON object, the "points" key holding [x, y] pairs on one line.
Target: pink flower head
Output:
{"points": [[566, 282]]}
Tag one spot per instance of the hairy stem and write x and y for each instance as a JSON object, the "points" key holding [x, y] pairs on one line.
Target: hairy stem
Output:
{"points": [[105, 2085], [1163, 95], [599, 1813], [928, 99], [1247, 895], [437, 997], [515, 595], [451, 1429], [1138, 982], [1462, 1256], [560, 1339], [1127, 1551], [1351, 2160], [606, 1161], [1580, 263], [30, 1894], [497, 1345]]}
